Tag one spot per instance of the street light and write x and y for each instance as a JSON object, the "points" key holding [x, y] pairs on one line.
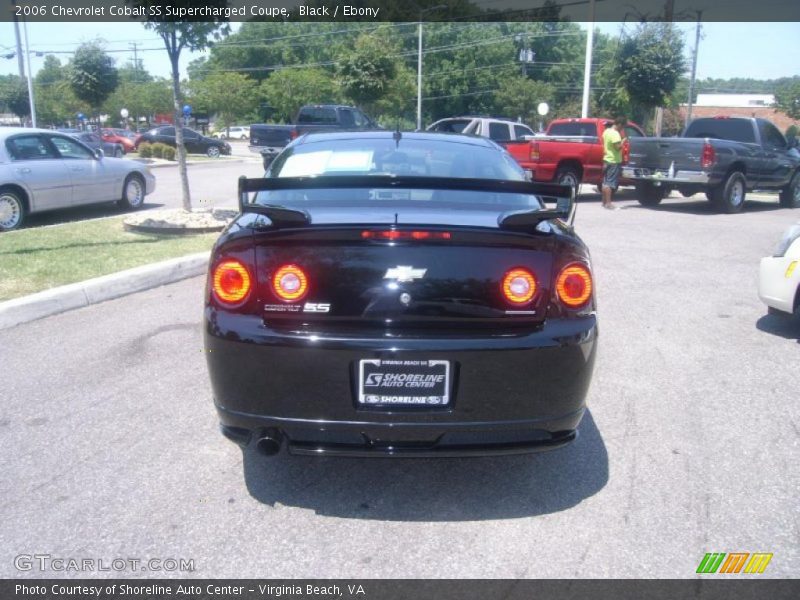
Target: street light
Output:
{"points": [[419, 61]]}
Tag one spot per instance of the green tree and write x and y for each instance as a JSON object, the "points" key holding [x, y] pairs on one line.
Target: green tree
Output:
{"points": [[519, 96], [289, 89], [366, 72], [92, 74], [14, 95], [650, 63], [232, 96], [787, 98], [177, 36]]}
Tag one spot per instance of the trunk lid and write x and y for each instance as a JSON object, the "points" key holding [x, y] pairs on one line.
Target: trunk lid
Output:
{"points": [[355, 281]]}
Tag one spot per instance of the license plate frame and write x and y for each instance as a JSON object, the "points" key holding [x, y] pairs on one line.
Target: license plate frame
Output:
{"points": [[404, 383]]}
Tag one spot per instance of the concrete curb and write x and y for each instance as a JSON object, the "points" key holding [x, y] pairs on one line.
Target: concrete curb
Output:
{"points": [[227, 161], [92, 291]]}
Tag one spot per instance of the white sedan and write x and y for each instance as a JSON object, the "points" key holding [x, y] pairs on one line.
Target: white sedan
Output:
{"points": [[43, 170], [779, 276]]}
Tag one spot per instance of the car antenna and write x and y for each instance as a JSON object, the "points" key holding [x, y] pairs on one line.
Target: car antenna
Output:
{"points": [[397, 136]]}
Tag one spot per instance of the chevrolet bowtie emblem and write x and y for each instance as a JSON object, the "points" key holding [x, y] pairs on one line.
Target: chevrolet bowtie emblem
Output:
{"points": [[404, 273]]}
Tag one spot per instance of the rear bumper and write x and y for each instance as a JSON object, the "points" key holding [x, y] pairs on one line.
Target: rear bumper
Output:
{"points": [[269, 150], [776, 289], [660, 176], [511, 393]]}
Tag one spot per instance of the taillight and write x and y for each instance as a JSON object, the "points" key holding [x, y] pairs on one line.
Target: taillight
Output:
{"points": [[708, 157], [290, 283], [519, 286], [293, 133], [231, 282], [626, 150], [393, 234], [574, 285], [534, 151]]}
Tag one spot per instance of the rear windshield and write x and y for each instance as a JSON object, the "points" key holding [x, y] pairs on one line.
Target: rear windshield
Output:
{"points": [[408, 157], [735, 130], [451, 125], [318, 115], [589, 129]]}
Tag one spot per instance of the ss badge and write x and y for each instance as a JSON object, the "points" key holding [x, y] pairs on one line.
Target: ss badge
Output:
{"points": [[314, 307]]}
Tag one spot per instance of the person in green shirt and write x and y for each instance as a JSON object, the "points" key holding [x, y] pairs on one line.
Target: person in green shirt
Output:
{"points": [[612, 160]]}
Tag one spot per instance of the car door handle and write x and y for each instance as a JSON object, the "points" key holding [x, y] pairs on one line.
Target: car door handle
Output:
{"points": [[23, 170]]}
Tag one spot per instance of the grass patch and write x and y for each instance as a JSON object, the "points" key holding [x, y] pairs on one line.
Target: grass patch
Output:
{"points": [[32, 260]]}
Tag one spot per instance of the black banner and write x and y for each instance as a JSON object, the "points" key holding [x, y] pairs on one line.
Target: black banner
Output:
{"points": [[411, 589], [400, 11]]}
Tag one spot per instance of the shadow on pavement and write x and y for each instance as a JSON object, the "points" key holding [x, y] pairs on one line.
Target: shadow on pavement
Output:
{"points": [[92, 211], [701, 206], [784, 326], [465, 489]]}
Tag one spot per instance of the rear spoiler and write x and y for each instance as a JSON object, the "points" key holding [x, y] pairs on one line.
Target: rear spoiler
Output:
{"points": [[282, 216]]}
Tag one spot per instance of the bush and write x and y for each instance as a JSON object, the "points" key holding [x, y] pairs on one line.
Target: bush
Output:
{"points": [[792, 131], [145, 150], [158, 150], [169, 153]]}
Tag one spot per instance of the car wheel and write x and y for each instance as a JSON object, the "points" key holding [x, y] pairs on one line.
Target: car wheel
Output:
{"points": [[687, 192], [790, 195], [213, 152], [570, 177], [649, 194], [119, 153], [133, 192], [729, 197], [12, 210]]}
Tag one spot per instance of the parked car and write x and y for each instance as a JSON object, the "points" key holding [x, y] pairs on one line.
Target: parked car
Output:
{"points": [[95, 142], [239, 132], [570, 152], [779, 275], [269, 140], [497, 129], [194, 142], [415, 295], [120, 136], [725, 157], [42, 170]]}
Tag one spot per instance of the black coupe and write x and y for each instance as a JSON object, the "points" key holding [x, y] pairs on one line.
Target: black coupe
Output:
{"points": [[400, 294]]}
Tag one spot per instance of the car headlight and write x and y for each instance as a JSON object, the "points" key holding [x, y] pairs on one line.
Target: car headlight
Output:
{"points": [[788, 238]]}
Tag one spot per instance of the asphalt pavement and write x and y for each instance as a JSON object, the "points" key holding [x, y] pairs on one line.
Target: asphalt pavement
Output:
{"points": [[110, 445]]}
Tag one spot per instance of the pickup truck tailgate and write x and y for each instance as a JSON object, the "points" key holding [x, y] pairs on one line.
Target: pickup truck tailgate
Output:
{"points": [[662, 153]]}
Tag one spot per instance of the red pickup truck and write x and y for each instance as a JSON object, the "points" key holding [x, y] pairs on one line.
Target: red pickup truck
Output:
{"points": [[570, 152]]}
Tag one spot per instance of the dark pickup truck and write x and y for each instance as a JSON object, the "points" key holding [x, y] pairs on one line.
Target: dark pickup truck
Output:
{"points": [[268, 140], [725, 157]]}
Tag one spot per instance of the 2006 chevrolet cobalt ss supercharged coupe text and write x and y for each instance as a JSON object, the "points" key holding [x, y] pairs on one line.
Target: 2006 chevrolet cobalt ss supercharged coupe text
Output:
{"points": [[388, 294]]}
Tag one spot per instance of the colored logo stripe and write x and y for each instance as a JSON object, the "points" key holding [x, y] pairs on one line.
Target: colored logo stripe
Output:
{"points": [[711, 562], [734, 562], [758, 562]]}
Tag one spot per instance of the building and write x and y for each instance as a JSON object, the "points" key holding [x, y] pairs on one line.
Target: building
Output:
{"points": [[739, 105]]}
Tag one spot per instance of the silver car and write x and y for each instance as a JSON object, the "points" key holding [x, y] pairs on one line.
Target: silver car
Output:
{"points": [[43, 170]]}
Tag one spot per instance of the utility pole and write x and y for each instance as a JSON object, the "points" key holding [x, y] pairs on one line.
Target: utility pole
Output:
{"points": [[20, 58], [419, 76], [135, 47], [694, 68], [30, 75], [587, 68]]}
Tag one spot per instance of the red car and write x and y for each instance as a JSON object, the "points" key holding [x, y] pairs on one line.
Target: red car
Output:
{"points": [[120, 136], [570, 153]]}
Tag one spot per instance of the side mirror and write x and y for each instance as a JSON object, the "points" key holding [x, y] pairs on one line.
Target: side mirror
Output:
{"points": [[99, 154]]}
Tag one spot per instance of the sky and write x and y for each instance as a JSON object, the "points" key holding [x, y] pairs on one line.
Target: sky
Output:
{"points": [[756, 50]]}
